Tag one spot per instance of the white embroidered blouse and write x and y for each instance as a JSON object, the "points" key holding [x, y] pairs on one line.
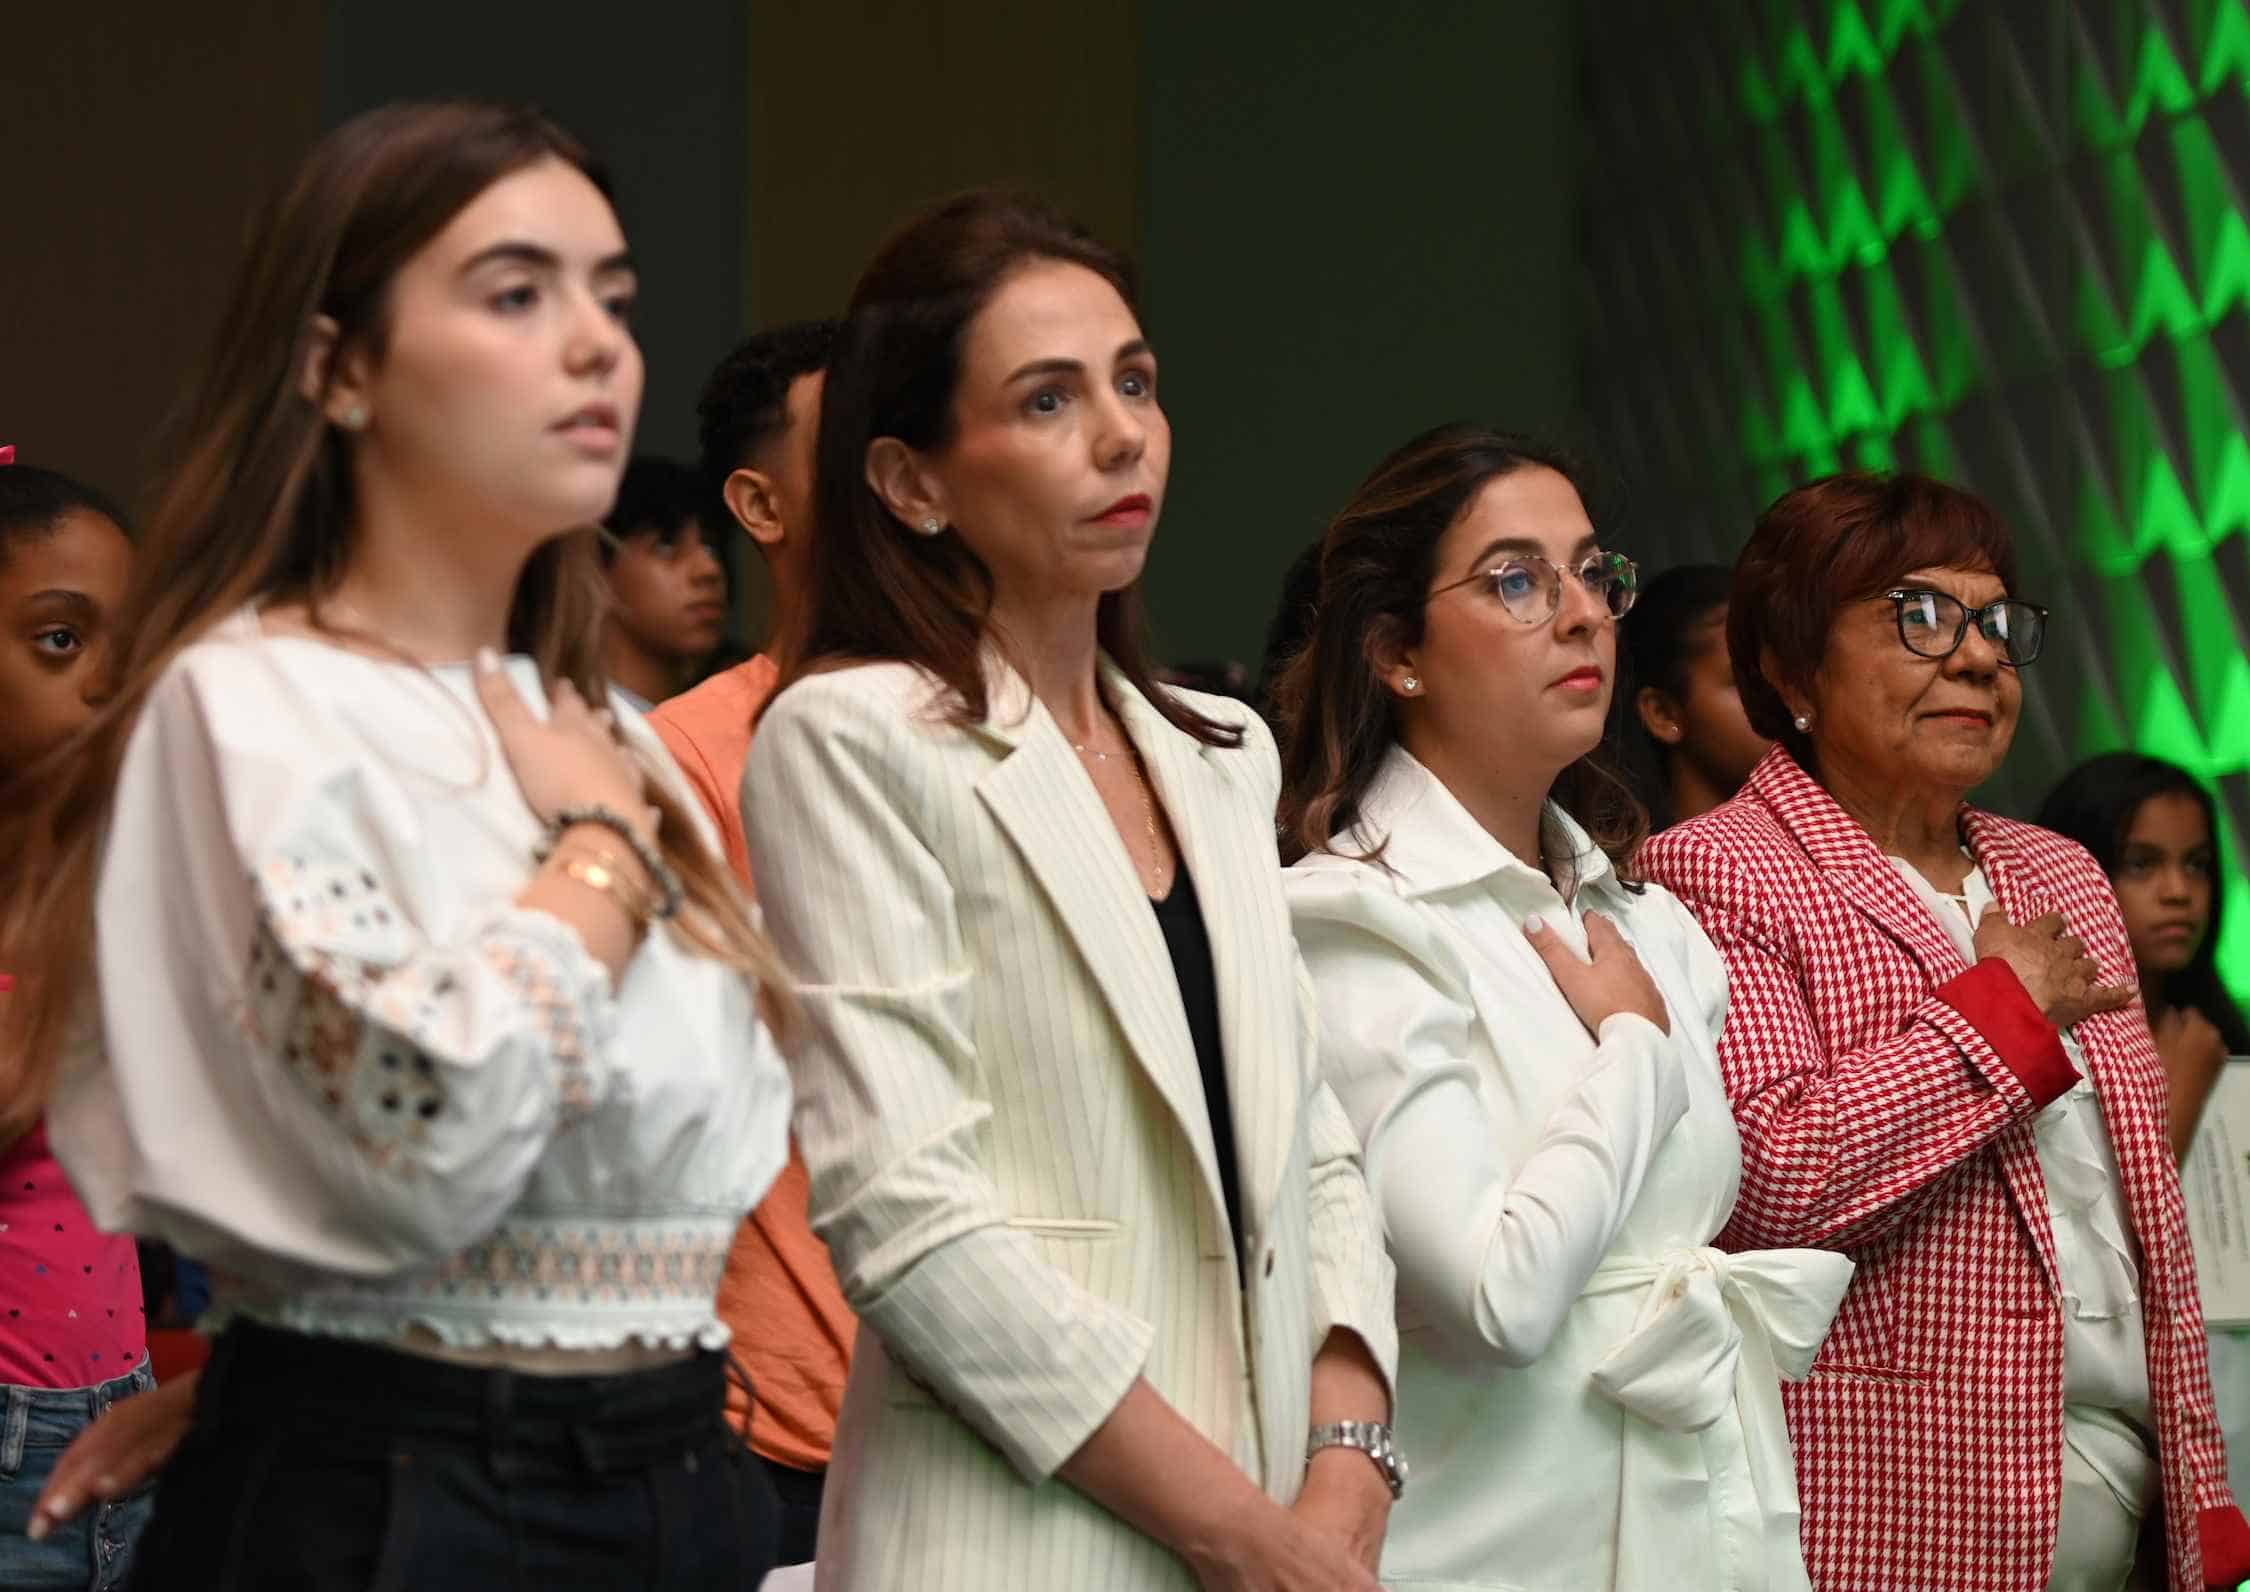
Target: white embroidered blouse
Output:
{"points": [[340, 1065]]}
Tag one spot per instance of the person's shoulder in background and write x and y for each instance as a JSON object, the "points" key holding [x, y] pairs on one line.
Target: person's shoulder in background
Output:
{"points": [[707, 730]]}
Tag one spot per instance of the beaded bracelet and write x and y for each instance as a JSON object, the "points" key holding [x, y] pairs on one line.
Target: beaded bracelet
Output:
{"points": [[661, 878]]}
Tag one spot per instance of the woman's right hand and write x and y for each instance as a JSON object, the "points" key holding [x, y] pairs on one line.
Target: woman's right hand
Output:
{"points": [[2062, 980], [1268, 1549], [1612, 981], [118, 1451], [573, 759]]}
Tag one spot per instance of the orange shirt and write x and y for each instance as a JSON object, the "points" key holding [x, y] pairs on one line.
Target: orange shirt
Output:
{"points": [[792, 1328]]}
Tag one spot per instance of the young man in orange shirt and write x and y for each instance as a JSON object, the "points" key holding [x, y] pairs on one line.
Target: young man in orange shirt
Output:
{"points": [[759, 413]]}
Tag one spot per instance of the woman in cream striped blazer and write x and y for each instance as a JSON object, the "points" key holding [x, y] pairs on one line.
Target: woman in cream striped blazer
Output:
{"points": [[1059, 1091]]}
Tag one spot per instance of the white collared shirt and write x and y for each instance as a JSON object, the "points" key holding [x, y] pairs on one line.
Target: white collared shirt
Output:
{"points": [[1547, 1194]]}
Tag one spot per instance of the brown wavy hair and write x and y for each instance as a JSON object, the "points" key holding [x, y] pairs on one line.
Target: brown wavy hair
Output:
{"points": [[258, 509], [1336, 719], [877, 590]]}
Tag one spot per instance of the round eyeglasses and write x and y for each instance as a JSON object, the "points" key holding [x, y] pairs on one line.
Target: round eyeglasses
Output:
{"points": [[1530, 587], [1933, 625]]}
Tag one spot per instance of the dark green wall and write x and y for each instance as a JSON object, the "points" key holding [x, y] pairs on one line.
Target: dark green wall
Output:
{"points": [[1357, 221], [658, 91]]}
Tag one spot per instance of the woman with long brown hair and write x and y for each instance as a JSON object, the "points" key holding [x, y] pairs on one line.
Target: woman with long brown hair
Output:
{"points": [[425, 1010], [1061, 1098], [1523, 1035]]}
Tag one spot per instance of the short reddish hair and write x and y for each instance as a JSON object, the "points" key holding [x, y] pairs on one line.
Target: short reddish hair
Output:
{"points": [[1835, 541]]}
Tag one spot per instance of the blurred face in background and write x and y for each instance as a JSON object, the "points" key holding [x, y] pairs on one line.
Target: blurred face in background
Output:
{"points": [[59, 589], [669, 594], [2165, 875], [1704, 726]]}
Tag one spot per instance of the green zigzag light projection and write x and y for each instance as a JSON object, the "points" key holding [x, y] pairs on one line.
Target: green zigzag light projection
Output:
{"points": [[2013, 250]]}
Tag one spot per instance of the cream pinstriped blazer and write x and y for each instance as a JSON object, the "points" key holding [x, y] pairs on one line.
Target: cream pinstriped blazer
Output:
{"points": [[1010, 1151]]}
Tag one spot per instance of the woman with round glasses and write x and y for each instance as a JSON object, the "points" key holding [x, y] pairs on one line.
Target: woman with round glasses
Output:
{"points": [[1938, 1070], [1524, 1038]]}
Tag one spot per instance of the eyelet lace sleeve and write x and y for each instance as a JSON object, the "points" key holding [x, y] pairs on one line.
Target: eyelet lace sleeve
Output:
{"points": [[297, 1066]]}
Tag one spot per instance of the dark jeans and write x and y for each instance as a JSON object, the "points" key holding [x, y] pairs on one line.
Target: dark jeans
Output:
{"points": [[94, 1551], [798, 1492], [315, 1465]]}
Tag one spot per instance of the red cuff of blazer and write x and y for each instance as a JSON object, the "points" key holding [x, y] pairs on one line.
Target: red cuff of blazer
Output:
{"points": [[1999, 1008], [2226, 1546]]}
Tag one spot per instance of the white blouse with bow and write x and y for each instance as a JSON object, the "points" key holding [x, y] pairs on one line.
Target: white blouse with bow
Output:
{"points": [[1588, 1391]]}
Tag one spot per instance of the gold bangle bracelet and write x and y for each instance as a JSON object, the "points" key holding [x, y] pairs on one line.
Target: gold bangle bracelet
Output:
{"points": [[623, 866], [601, 873]]}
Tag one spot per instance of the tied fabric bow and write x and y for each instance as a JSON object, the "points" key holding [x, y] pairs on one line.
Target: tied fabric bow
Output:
{"points": [[1714, 1333]]}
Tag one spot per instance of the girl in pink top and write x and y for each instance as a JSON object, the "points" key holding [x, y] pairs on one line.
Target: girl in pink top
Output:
{"points": [[72, 1337]]}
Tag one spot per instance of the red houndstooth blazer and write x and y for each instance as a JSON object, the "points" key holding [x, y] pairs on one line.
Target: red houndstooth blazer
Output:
{"points": [[1885, 1091]]}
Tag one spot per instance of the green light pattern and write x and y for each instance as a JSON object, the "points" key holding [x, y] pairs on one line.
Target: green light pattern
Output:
{"points": [[1928, 243]]}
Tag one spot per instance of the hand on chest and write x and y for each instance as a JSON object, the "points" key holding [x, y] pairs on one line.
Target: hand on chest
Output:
{"points": [[1534, 1051]]}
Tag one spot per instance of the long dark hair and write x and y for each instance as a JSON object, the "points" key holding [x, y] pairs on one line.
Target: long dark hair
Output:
{"points": [[2095, 805], [258, 508], [1337, 720], [878, 591]]}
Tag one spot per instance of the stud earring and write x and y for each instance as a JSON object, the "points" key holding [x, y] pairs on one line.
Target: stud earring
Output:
{"points": [[931, 526], [1410, 685], [354, 417], [1804, 722]]}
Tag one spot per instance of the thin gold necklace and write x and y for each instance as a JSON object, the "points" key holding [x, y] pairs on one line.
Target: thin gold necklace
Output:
{"points": [[1155, 875]]}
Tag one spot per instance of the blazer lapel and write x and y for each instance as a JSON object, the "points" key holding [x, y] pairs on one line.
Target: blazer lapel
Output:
{"points": [[1226, 843], [1044, 801], [1857, 870], [2011, 879], [1854, 865], [2005, 870]]}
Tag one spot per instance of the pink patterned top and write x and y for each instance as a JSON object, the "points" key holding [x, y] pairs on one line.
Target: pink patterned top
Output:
{"points": [[70, 1294]]}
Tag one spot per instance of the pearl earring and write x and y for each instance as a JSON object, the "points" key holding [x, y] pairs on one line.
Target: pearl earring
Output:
{"points": [[1804, 722], [1410, 685], [354, 417], [931, 526]]}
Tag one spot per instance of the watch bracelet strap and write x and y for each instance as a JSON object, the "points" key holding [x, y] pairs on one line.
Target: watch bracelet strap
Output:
{"points": [[1371, 1438]]}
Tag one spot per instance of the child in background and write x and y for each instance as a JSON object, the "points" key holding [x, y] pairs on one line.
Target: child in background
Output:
{"points": [[667, 587], [72, 1338], [2155, 833]]}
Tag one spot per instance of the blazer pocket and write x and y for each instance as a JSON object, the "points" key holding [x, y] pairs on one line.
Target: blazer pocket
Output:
{"points": [[1066, 1226], [1863, 1340]]}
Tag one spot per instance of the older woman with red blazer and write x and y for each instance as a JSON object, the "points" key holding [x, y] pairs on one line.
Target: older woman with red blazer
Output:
{"points": [[1938, 1068]]}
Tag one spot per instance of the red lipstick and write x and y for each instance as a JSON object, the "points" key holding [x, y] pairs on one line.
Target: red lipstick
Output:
{"points": [[1131, 510]]}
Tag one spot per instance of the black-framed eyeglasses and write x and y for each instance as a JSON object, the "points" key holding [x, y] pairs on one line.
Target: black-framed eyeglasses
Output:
{"points": [[1932, 624], [1530, 587]]}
